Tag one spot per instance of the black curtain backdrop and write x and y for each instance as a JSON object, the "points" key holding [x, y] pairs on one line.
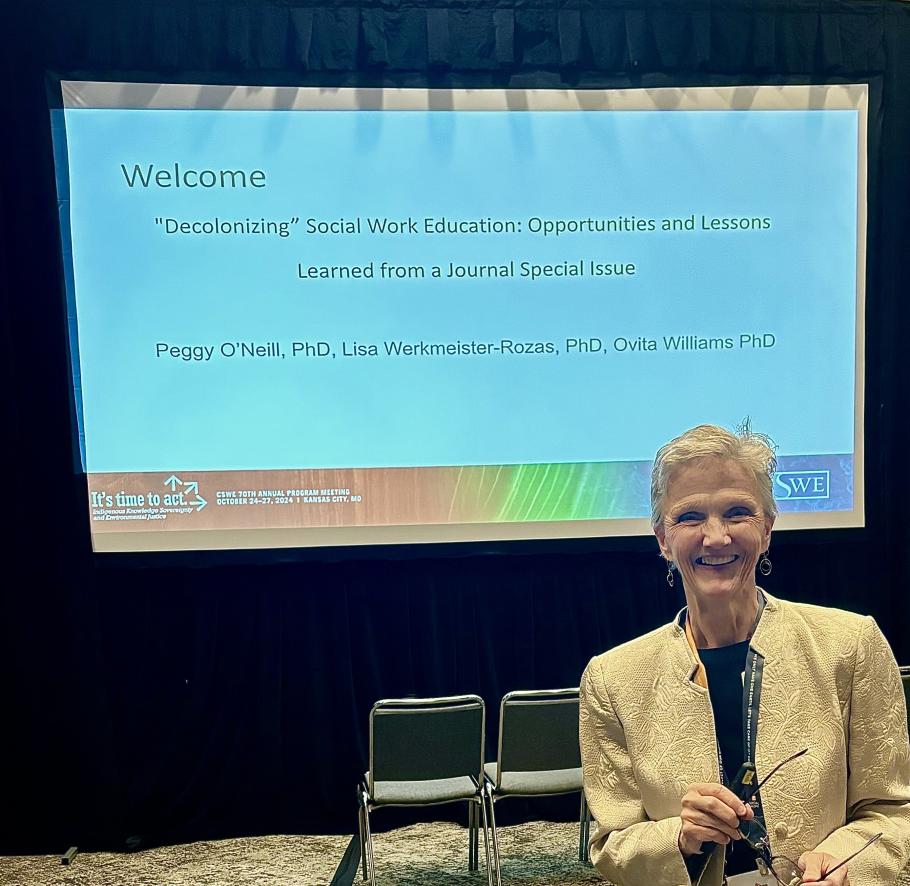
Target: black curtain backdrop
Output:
{"points": [[200, 697]]}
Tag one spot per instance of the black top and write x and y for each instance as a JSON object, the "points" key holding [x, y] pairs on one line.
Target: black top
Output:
{"points": [[725, 669]]}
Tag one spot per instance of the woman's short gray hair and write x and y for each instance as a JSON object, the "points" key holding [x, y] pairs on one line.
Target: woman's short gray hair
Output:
{"points": [[753, 451]]}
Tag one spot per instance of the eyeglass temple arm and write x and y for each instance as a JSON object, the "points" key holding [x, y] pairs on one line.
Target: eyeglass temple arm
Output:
{"points": [[865, 845], [782, 762]]}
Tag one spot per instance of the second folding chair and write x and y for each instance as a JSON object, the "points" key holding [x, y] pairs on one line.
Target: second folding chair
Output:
{"points": [[538, 755]]}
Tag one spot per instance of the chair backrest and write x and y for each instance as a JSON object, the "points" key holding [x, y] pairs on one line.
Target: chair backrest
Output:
{"points": [[905, 679], [538, 731], [417, 739]]}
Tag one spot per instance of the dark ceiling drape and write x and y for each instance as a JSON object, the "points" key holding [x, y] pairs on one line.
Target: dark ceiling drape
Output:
{"points": [[198, 697]]}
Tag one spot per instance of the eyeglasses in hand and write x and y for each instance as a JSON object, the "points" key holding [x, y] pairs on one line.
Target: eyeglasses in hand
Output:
{"points": [[784, 870]]}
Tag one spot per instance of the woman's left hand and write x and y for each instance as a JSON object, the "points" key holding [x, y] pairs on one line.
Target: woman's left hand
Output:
{"points": [[815, 864]]}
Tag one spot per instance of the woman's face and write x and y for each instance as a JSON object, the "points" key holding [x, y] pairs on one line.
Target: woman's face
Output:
{"points": [[713, 527]]}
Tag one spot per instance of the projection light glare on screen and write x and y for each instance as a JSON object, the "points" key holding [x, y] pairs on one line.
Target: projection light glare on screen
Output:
{"points": [[307, 318]]}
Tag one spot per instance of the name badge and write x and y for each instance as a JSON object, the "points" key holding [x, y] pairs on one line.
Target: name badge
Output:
{"points": [[751, 878]]}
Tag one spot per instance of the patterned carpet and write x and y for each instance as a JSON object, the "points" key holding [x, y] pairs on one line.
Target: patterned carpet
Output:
{"points": [[537, 854]]}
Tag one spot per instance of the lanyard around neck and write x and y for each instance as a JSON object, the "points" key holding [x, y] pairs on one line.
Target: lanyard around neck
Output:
{"points": [[752, 684]]}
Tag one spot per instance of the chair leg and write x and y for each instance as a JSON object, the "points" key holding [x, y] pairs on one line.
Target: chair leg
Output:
{"points": [[496, 866], [360, 833], [476, 843], [369, 870], [472, 835], [584, 830]]}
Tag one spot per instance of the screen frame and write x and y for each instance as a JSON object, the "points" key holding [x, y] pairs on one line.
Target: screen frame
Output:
{"points": [[787, 95]]}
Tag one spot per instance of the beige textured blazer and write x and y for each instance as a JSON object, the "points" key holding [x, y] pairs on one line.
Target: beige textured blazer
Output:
{"points": [[830, 684]]}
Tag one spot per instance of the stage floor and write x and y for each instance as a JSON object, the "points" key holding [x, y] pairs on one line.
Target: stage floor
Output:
{"points": [[535, 854]]}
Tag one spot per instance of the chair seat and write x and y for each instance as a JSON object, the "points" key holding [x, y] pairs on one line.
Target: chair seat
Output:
{"points": [[549, 781], [431, 790]]}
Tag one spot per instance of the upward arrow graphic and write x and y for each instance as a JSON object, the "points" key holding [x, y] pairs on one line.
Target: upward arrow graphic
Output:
{"points": [[172, 481]]}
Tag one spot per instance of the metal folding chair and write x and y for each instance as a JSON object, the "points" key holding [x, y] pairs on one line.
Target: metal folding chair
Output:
{"points": [[425, 751], [538, 755]]}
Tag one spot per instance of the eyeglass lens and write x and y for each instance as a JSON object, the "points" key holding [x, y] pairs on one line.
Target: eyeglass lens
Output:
{"points": [[786, 871]]}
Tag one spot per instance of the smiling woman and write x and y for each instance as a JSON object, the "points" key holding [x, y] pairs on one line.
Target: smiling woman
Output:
{"points": [[712, 524], [740, 677]]}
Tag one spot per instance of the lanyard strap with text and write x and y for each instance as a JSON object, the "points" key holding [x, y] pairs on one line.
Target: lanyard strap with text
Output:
{"points": [[752, 680]]}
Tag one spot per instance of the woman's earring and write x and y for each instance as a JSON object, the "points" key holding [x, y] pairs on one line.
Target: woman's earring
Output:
{"points": [[764, 564], [670, 573]]}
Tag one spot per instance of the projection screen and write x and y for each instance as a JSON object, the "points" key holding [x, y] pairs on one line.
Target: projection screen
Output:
{"points": [[313, 317]]}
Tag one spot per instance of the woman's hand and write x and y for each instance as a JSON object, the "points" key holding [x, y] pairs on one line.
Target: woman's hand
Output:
{"points": [[711, 814], [816, 864]]}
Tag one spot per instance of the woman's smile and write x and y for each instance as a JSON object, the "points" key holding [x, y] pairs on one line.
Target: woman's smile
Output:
{"points": [[716, 561]]}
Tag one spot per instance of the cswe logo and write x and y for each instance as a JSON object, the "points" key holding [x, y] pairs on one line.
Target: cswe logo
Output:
{"points": [[791, 485]]}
